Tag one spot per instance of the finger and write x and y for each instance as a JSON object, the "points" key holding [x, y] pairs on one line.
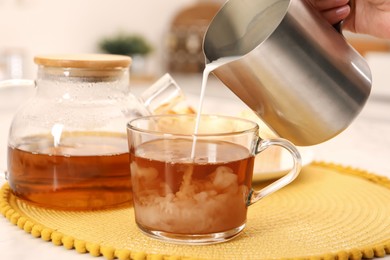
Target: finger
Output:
{"points": [[335, 15], [324, 5]]}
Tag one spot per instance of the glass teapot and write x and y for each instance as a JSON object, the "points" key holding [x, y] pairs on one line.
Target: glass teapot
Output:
{"points": [[67, 146]]}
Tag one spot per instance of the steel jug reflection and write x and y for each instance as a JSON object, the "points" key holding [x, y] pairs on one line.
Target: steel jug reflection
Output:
{"points": [[67, 146], [291, 67]]}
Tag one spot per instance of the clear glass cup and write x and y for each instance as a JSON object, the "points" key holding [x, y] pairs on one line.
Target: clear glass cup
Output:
{"points": [[196, 188]]}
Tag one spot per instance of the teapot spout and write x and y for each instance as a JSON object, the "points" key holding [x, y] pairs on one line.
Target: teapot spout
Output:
{"points": [[162, 96]]}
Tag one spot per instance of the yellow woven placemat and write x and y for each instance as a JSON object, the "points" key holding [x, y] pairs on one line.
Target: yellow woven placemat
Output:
{"points": [[328, 212]]}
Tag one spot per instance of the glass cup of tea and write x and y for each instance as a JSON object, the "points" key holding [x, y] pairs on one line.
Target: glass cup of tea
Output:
{"points": [[192, 175]]}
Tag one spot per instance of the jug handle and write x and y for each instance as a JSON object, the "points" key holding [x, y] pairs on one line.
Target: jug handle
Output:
{"points": [[17, 83], [338, 26]]}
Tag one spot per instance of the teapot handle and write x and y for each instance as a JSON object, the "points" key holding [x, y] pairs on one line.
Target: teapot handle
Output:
{"points": [[164, 94]]}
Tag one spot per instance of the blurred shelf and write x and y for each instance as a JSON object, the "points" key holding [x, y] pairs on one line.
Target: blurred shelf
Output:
{"points": [[365, 45]]}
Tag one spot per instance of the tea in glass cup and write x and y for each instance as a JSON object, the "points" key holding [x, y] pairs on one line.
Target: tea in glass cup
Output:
{"points": [[196, 188]]}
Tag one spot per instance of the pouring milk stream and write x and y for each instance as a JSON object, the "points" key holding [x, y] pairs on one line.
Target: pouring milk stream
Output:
{"points": [[208, 69]]}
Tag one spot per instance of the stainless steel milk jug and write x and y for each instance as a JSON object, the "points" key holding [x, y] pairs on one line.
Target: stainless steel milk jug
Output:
{"points": [[290, 66]]}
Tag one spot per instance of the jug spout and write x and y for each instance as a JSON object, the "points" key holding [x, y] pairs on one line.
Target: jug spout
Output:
{"points": [[162, 95]]}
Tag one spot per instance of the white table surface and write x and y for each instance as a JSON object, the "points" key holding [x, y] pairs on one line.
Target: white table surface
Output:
{"points": [[365, 144]]}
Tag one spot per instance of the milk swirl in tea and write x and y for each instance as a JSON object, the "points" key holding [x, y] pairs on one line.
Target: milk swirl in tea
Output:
{"points": [[191, 195]]}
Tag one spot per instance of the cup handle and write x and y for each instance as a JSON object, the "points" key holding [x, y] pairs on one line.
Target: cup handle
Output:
{"points": [[256, 195]]}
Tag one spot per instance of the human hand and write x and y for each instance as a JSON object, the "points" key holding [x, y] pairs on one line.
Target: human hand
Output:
{"points": [[361, 16]]}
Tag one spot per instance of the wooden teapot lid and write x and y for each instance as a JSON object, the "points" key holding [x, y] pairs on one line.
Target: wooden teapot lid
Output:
{"points": [[93, 61]]}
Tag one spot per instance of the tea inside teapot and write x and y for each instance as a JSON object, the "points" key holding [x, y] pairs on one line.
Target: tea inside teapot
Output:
{"points": [[67, 146]]}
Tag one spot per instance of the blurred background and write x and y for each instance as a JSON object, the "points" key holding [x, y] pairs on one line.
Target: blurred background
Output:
{"points": [[166, 34]]}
